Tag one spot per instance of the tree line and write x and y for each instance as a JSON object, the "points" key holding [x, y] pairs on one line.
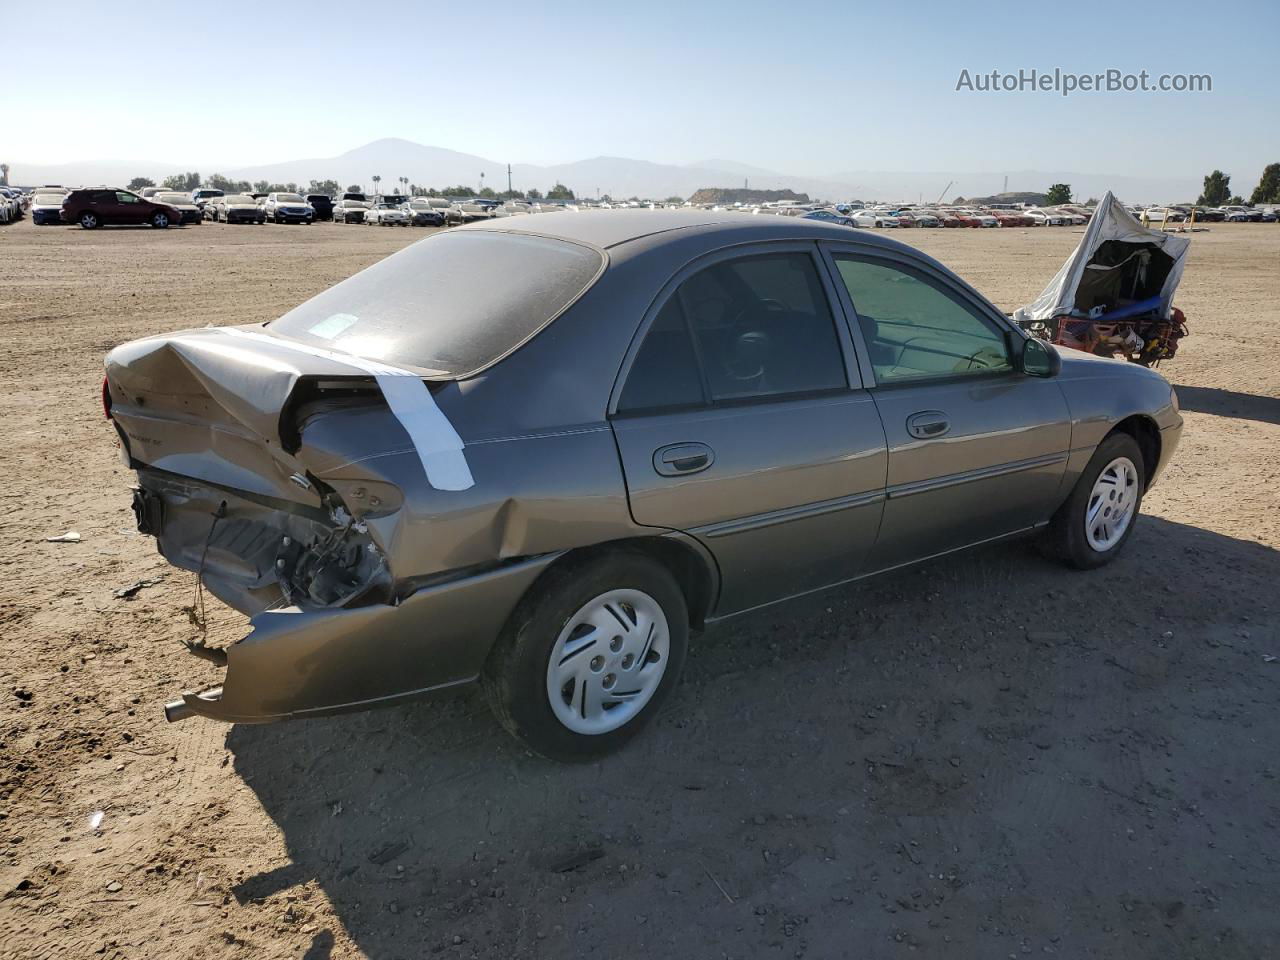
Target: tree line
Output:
{"points": [[1217, 188], [187, 182]]}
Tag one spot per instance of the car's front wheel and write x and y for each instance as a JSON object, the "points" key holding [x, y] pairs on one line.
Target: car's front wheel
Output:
{"points": [[589, 655], [1095, 523]]}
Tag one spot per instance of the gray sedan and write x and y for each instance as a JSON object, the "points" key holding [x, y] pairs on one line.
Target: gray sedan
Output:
{"points": [[538, 452]]}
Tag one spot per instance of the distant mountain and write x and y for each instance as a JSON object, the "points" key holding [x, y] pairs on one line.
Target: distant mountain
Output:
{"points": [[742, 195], [616, 176]]}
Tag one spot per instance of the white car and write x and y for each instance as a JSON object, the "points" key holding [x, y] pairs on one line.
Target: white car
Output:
{"points": [[1071, 219], [1051, 217], [388, 215], [874, 218]]}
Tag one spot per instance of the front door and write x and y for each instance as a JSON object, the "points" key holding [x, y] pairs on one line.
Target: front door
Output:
{"points": [[741, 420], [129, 208], [976, 449]]}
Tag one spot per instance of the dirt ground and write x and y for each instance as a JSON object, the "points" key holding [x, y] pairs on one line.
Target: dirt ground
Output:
{"points": [[984, 756]]}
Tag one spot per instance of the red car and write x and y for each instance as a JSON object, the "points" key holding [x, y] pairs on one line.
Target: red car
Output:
{"points": [[1009, 218], [97, 206]]}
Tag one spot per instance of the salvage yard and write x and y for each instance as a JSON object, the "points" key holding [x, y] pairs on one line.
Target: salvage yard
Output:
{"points": [[983, 756]]}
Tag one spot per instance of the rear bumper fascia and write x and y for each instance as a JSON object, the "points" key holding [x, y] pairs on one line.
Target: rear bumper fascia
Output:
{"points": [[297, 663]]}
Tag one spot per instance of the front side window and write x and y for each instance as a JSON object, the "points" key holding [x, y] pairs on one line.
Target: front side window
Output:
{"points": [[914, 330], [126, 197], [755, 327]]}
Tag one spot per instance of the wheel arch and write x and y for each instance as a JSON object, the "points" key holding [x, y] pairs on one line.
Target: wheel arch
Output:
{"points": [[687, 560], [1147, 435]]}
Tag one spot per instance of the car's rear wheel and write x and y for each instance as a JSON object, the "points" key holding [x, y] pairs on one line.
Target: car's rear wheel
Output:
{"points": [[160, 220], [89, 220], [1098, 518], [589, 655]]}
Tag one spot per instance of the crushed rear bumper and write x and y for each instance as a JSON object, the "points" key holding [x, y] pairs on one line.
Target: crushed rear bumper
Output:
{"points": [[297, 663]]}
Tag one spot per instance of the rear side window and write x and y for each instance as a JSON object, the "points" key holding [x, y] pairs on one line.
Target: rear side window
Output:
{"points": [[665, 372], [755, 327], [452, 304]]}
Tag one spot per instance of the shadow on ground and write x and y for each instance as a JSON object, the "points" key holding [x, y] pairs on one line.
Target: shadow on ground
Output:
{"points": [[1229, 403], [986, 755]]}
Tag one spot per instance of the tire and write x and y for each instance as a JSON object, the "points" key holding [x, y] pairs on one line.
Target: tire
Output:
{"points": [[1073, 536], [89, 220], [160, 220], [520, 679]]}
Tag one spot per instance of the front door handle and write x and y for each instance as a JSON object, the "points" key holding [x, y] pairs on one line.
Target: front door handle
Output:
{"points": [[677, 459], [928, 424]]}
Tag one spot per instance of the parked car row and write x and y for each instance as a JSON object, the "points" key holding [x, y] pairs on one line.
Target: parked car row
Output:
{"points": [[898, 217], [14, 204], [91, 207]]}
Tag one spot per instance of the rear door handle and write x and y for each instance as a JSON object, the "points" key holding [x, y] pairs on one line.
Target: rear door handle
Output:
{"points": [[676, 459], [928, 424]]}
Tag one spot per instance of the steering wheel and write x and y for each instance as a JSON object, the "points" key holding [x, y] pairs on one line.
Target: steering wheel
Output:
{"points": [[745, 361]]}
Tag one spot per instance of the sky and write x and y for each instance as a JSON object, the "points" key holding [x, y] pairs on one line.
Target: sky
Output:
{"points": [[807, 87]]}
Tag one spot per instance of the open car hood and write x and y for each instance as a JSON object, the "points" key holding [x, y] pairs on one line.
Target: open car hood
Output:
{"points": [[1111, 229]]}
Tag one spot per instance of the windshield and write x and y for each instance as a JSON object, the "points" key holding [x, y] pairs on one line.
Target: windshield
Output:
{"points": [[420, 205], [289, 198], [239, 199], [171, 197], [453, 303], [55, 198]]}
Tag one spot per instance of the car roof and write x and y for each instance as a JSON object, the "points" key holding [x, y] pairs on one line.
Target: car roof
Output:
{"points": [[613, 228]]}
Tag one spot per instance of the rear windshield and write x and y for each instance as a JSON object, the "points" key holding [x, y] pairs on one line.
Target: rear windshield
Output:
{"points": [[451, 304]]}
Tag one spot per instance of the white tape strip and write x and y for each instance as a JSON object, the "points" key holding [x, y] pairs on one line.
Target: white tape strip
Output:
{"points": [[438, 445]]}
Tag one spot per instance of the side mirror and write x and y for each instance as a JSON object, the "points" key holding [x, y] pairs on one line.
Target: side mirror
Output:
{"points": [[1039, 359]]}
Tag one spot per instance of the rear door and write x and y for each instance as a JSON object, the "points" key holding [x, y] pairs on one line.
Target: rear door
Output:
{"points": [[976, 450], [740, 418]]}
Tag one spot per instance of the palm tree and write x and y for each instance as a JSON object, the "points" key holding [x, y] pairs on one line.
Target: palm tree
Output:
{"points": [[376, 180]]}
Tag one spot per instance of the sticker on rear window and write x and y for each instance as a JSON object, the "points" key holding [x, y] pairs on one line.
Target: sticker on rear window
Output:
{"points": [[331, 326]]}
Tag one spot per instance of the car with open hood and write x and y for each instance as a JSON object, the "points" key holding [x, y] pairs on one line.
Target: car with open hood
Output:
{"points": [[414, 482], [322, 204], [202, 195]]}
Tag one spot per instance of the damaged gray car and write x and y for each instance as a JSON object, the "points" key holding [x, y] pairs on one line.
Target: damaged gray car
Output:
{"points": [[538, 452]]}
